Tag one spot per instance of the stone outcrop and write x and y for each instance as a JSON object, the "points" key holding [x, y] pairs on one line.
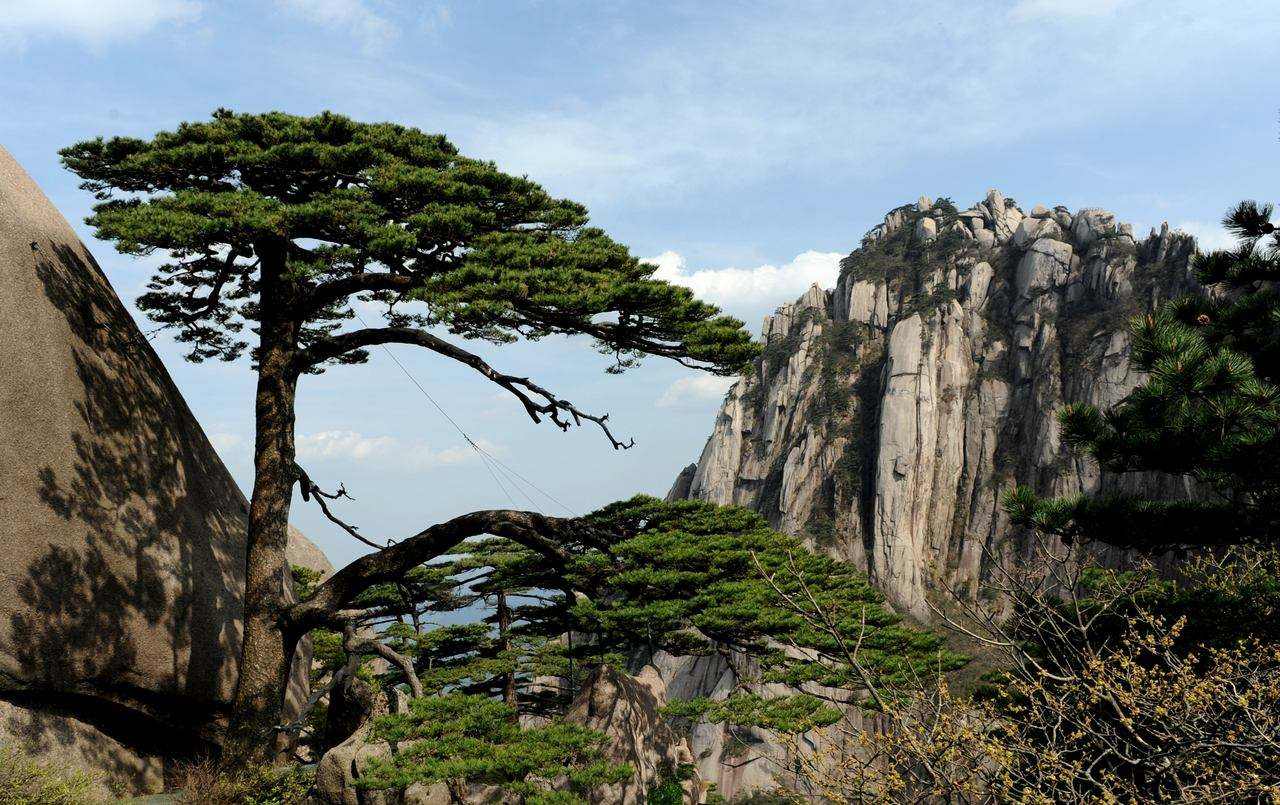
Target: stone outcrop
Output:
{"points": [[124, 562], [63, 738], [736, 759], [625, 709], [339, 767], [887, 416]]}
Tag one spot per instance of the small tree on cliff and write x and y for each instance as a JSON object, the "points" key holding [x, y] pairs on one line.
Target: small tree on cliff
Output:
{"points": [[1210, 410], [278, 222]]}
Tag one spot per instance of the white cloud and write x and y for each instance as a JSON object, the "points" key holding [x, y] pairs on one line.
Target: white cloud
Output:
{"points": [[227, 444], [1209, 235], [1049, 9], [354, 16], [695, 389], [349, 445], [92, 22], [762, 285]]}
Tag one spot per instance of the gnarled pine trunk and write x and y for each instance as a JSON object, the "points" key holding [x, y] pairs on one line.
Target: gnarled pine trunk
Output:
{"points": [[267, 650], [509, 696]]}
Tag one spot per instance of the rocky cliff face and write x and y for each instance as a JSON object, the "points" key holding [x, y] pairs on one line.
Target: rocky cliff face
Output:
{"points": [[886, 417]]}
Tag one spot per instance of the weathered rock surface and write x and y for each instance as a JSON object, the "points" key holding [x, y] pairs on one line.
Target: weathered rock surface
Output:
{"points": [[626, 710], [123, 577], [338, 769], [887, 416], [736, 759]]}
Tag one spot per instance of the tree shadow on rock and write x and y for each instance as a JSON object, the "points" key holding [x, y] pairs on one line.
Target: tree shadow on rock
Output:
{"points": [[137, 600]]}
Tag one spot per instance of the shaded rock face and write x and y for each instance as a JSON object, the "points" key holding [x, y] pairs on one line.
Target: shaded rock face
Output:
{"points": [[67, 736], [626, 710], [124, 562], [740, 760], [886, 417]]}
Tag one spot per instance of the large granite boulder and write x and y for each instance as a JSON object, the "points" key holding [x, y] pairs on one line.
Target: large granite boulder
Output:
{"points": [[121, 595]]}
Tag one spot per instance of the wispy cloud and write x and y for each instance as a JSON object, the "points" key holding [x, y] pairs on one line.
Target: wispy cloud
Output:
{"points": [[388, 451], [228, 445], [357, 17], [1063, 9], [91, 22], [760, 285], [760, 95], [566, 148], [695, 389], [1209, 235]]}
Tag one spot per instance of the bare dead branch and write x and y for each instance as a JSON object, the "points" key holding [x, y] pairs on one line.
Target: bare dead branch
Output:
{"points": [[311, 490], [537, 401], [316, 695]]}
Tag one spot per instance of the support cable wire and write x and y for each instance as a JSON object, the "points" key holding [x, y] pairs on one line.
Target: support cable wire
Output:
{"points": [[532, 503], [491, 462], [496, 480]]}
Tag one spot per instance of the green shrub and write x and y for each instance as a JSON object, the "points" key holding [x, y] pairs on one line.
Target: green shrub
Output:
{"points": [[208, 783], [670, 789], [25, 781], [778, 351]]}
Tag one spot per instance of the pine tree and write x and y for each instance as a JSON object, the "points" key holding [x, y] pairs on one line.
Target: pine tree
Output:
{"points": [[1209, 411], [462, 740], [690, 577], [532, 671], [483, 621], [276, 223], [687, 578]]}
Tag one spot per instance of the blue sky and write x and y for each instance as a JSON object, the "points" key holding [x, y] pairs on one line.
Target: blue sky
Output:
{"points": [[747, 145]]}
